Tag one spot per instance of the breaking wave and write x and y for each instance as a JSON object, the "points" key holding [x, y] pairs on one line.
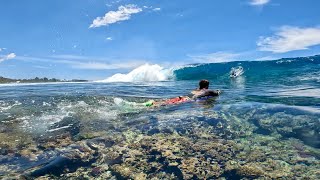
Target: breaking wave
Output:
{"points": [[256, 70], [144, 73]]}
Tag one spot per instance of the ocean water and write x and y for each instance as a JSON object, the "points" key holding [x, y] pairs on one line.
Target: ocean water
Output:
{"points": [[265, 125]]}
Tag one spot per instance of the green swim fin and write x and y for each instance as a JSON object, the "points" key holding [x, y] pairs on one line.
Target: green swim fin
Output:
{"points": [[149, 103]]}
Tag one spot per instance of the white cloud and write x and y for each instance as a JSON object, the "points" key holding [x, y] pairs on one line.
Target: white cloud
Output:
{"points": [[104, 66], [157, 9], [83, 62], [64, 58], [180, 15], [290, 38], [41, 67], [7, 57], [259, 2], [123, 13], [71, 57], [216, 57], [11, 56], [109, 39]]}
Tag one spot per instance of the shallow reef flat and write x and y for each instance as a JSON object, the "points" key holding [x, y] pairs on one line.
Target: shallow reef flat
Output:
{"points": [[228, 142]]}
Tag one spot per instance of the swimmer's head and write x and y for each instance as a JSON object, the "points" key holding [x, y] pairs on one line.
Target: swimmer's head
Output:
{"points": [[204, 84]]}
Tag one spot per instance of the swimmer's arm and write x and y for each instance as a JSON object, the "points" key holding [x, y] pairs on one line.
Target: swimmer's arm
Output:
{"points": [[213, 93], [207, 93]]}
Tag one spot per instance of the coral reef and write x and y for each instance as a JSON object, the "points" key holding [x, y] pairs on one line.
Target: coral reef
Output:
{"points": [[210, 145]]}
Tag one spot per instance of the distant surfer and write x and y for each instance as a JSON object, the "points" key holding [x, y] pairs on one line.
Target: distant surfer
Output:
{"points": [[202, 93], [236, 72]]}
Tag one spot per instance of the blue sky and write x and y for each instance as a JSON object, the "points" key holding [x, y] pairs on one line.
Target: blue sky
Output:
{"points": [[93, 39]]}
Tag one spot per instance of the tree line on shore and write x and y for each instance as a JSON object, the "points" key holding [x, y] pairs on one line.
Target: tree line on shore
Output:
{"points": [[37, 80]]}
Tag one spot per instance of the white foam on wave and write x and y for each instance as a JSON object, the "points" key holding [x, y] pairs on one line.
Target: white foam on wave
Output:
{"points": [[5, 106], [39, 124], [315, 76], [144, 73], [307, 91], [84, 112]]}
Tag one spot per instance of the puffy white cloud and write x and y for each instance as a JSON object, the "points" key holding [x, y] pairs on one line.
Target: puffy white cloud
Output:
{"points": [[11, 56], [259, 2], [7, 57], [289, 38], [123, 13], [109, 39], [216, 57]]}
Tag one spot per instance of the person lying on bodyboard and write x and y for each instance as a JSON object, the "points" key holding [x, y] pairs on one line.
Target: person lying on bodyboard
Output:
{"points": [[203, 91], [200, 94]]}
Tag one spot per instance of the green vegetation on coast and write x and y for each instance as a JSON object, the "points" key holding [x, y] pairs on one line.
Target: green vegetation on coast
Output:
{"points": [[4, 80]]}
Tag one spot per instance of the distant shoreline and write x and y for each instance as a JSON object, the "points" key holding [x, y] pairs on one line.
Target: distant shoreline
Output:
{"points": [[4, 80]]}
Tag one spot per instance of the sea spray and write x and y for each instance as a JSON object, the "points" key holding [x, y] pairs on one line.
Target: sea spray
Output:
{"points": [[144, 73]]}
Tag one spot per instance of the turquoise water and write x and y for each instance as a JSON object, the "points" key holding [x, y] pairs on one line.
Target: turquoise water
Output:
{"points": [[265, 124]]}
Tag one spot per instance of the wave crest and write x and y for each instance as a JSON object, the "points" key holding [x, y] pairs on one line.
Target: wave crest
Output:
{"points": [[144, 73], [256, 70]]}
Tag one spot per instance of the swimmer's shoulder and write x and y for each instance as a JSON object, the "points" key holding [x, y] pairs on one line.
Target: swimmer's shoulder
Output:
{"points": [[196, 91]]}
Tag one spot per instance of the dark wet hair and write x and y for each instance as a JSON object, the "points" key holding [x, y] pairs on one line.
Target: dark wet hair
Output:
{"points": [[204, 84]]}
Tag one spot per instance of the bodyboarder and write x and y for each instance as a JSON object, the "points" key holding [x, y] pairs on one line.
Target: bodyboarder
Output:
{"points": [[202, 93]]}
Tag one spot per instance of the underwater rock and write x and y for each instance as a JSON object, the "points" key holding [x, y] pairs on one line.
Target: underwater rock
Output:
{"points": [[303, 127], [140, 176], [96, 171], [124, 171], [31, 153], [93, 172], [4, 150], [251, 171], [83, 135], [14, 140], [54, 142], [3, 129], [70, 159], [173, 154]]}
